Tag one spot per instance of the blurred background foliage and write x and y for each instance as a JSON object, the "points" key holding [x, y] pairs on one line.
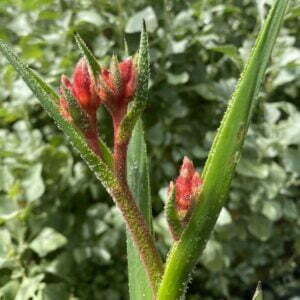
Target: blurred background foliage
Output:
{"points": [[60, 236]]}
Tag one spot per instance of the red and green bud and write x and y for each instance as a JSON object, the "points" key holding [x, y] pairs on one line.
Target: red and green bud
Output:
{"points": [[187, 186], [83, 87], [181, 196], [79, 103], [117, 87]]}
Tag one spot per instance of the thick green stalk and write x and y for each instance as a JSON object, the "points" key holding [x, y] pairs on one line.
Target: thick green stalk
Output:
{"points": [[136, 222], [221, 162], [140, 234]]}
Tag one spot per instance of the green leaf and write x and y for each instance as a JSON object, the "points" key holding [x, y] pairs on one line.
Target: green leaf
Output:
{"points": [[272, 210], [176, 79], [221, 162], [47, 241], [45, 86], [33, 185], [9, 290], [138, 180], [135, 22], [213, 257], [90, 16], [260, 227], [231, 51], [89, 56], [56, 291], [29, 287], [172, 217]]}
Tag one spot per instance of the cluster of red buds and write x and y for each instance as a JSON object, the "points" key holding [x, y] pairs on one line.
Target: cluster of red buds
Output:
{"points": [[187, 186], [82, 96], [181, 196], [117, 87]]}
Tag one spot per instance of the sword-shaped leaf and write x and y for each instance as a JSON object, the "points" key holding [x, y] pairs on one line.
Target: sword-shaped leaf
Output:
{"points": [[221, 161], [138, 181], [89, 56]]}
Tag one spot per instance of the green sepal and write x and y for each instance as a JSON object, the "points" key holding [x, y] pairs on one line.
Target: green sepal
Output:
{"points": [[143, 68], [141, 63], [107, 89], [78, 115], [172, 216], [115, 73], [126, 49], [89, 56]]}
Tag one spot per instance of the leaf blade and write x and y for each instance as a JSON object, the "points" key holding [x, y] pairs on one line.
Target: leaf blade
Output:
{"points": [[138, 181], [89, 56], [221, 162]]}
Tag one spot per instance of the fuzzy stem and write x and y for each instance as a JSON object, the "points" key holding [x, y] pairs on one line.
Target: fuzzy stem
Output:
{"points": [[141, 236], [120, 148], [136, 223], [120, 153]]}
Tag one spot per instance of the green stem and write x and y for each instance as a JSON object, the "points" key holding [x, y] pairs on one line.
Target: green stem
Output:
{"points": [[140, 234], [221, 162], [136, 222]]}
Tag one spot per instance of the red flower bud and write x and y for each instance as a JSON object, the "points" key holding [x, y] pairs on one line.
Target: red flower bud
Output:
{"points": [[83, 87], [186, 185], [117, 86], [83, 113]]}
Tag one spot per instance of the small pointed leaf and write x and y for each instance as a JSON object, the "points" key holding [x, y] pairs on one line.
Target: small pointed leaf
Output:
{"points": [[78, 115], [89, 56], [172, 215], [141, 96], [115, 72]]}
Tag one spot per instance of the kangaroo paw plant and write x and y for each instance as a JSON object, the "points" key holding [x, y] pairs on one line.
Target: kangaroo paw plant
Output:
{"points": [[194, 201]]}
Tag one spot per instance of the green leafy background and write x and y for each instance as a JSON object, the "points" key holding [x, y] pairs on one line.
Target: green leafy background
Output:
{"points": [[60, 236]]}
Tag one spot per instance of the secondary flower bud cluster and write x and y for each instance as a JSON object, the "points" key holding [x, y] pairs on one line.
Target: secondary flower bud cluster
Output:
{"points": [[187, 185]]}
